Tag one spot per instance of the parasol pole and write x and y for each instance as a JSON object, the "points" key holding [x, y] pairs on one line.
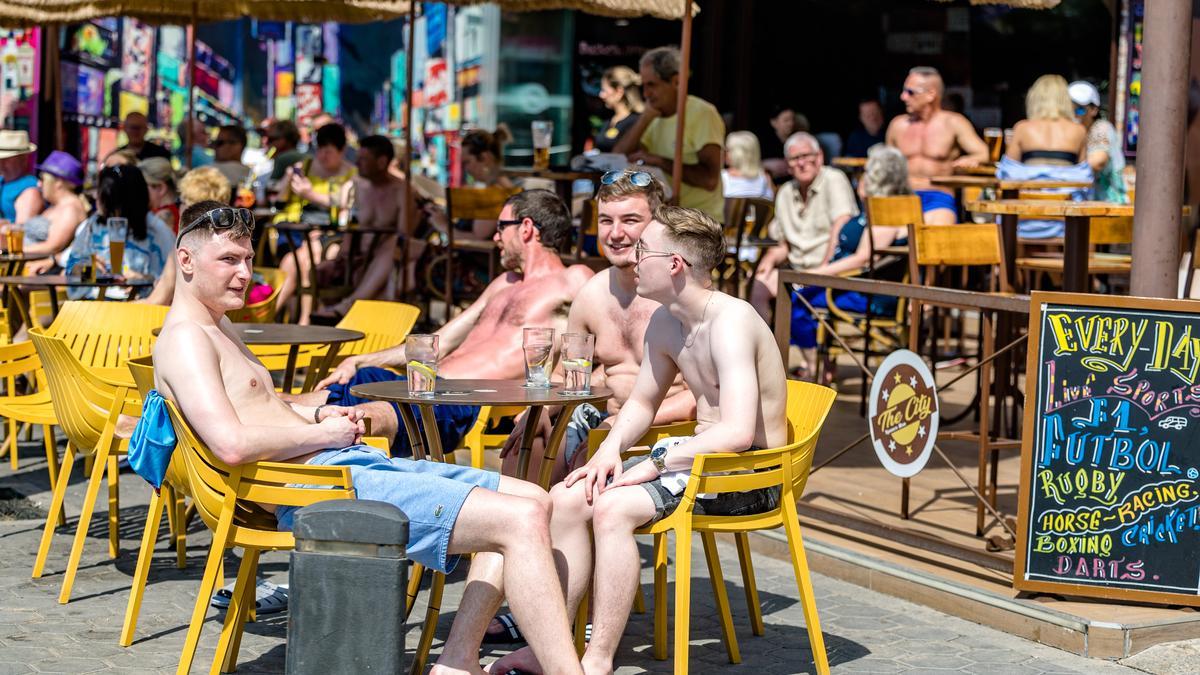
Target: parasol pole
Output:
{"points": [[191, 88], [406, 124], [685, 57]]}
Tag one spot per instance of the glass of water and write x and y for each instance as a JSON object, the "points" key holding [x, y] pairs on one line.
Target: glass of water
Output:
{"points": [[538, 344], [577, 351], [422, 354]]}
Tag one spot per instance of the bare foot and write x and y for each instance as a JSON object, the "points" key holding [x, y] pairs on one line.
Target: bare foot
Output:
{"points": [[595, 666], [522, 660], [441, 669]]}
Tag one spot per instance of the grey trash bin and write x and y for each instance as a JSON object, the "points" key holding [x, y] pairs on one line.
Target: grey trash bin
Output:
{"points": [[348, 578]]}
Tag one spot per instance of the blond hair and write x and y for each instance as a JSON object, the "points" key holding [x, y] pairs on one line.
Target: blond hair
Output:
{"points": [[745, 156], [203, 184], [624, 78], [1047, 99], [700, 238]]}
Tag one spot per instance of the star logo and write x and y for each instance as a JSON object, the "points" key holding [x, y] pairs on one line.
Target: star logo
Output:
{"points": [[921, 432], [908, 450], [885, 394], [892, 446], [897, 378], [912, 381]]}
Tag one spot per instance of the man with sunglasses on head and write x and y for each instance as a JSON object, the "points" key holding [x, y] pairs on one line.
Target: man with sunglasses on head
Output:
{"points": [[228, 398], [728, 358], [935, 141], [484, 341]]}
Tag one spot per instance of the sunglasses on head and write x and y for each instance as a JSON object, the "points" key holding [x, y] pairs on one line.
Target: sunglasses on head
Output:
{"points": [[223, 218], [637, 178]]}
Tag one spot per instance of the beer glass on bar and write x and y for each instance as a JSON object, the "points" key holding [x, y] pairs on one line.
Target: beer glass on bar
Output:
{"points": [[118, 229], [543, 134], [994, 136]]}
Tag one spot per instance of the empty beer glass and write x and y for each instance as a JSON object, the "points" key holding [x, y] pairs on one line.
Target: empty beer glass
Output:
{"points": [[538, 344]]}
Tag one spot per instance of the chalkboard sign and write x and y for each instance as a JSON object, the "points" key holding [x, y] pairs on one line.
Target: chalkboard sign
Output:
{"points": [[1110, 462]]}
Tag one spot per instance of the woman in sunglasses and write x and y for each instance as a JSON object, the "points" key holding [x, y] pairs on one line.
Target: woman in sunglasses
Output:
{"points": [[121, 193]]}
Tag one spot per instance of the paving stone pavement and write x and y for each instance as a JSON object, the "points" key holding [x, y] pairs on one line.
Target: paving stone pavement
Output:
{"points": [[865, 632]]}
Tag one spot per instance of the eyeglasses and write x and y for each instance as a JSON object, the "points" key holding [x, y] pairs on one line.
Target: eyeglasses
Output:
{"points": [[637, 178], [640, 252], [501, 224], [911, 91], [223, 218], [803, 157]]}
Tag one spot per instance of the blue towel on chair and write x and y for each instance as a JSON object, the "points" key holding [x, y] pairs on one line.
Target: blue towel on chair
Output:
{"points": [[153, 441]]}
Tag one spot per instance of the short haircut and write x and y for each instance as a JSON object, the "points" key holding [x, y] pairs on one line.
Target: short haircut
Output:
{"points": [[664, 61], [699, 238], [623, 188], [1047, 99], [332, 134], [548, 212], [931, 73], [886, 173], [285, 129], [745, 155], [801, 137], [205, 184], [196, 211], [380, 146], [238, 133]]}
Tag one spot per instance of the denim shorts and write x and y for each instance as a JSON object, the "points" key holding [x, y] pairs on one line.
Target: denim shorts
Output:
{"points": [[429, 493], [760, 500]]}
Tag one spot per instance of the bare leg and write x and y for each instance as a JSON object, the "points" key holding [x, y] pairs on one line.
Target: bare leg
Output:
{"points": [[762, 293], [287, 265], [618, 512], [482, 595], [518, 529]]}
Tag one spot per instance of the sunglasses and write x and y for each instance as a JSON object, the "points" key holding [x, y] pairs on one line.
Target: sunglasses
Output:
{"points": [[640, 252], [501, 224], [908, 91], [223, 218], [638, 178]]}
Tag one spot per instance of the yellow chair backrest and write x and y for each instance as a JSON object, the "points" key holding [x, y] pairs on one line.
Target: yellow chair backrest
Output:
{"points": [[107, 334], [142, 369], [17, 359], [384, 324], [82, 401], [212, 481], [264, 310], [477, 203], [894, 211], [1111, 230]]}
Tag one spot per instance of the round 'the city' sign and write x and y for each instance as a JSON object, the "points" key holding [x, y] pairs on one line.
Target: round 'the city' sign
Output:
{"points": [[903, 413]]}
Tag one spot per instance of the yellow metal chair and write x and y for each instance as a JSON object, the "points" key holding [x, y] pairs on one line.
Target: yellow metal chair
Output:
{"points": [[264, 310], [87, 406], [479, 439], [383, 324], [26, 409], [227, 499], [786, 467]]}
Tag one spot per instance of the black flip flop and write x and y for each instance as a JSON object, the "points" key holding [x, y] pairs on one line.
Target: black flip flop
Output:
{"points": [[510, 635]]}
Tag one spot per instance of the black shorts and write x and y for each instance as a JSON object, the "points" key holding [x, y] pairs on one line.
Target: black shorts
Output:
{"points": [[750, 502]]}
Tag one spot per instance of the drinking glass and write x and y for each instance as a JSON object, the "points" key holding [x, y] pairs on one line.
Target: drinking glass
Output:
{"points": [[422, 354], [538, 344], [543, 133], [15, 237], [118, 229], [577, 350], [994, 136]]}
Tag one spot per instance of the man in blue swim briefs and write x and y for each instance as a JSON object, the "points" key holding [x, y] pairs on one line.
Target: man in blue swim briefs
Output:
{"points": [[935, 141], [484, 341], [228, 398]]}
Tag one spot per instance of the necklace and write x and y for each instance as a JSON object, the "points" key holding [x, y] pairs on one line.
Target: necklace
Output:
{"points": [[688, 342]]}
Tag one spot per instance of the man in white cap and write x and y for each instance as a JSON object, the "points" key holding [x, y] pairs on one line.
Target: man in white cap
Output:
{"points": [[19, 196], [1103, 144]]}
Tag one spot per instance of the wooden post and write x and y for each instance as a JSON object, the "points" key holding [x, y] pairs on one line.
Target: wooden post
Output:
{"points": [[1157, 219], [188, 141], [685, 56], [406, 123]]}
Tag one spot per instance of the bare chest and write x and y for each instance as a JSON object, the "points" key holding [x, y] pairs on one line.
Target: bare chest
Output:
{"points": [[526, 304], [378, 207], [621, 331], [932, 139]]}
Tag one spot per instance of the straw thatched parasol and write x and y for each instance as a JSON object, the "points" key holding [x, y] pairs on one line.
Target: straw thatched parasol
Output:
{"points": [[20, 13]]}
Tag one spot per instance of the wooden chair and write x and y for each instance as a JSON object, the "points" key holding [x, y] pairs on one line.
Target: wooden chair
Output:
{"points": [[1102, 231], [227, 499], [746, 219], [470, 204], [87, 406], [895, 211], [263, 311], [786, 467]]}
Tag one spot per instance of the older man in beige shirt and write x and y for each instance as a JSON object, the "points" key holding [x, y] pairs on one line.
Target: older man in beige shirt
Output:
{"points": [[809, 213]]}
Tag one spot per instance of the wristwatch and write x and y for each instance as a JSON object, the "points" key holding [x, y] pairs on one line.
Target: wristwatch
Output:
{"points": [[659, 456]]}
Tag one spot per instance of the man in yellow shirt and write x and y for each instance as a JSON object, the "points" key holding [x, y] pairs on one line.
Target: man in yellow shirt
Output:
{"points": [[651, 140]]}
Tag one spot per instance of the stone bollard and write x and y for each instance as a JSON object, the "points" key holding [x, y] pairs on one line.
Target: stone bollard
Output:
{"points": [[348, 579]]}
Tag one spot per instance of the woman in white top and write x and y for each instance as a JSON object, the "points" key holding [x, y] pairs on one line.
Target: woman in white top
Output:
{"points": [[743, 175]]}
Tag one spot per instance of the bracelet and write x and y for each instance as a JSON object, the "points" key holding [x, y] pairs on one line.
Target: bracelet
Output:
{"points": [[317, 412]]}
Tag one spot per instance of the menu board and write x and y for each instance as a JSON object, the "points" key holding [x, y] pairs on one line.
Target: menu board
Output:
{"points": [[1110, 462]]}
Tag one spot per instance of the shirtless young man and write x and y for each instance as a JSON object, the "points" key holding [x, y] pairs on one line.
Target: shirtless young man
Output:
{"points": [[609, 307], [729, 360], [377, 204], [935, 141], [485, 340], [227, 396]]}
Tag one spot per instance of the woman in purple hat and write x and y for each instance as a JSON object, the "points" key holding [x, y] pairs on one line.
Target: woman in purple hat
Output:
{"points": [[60, 178]]}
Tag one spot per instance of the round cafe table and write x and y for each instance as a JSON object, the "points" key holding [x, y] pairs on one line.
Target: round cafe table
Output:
{"points": [[483, 392], [52, 282]]}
